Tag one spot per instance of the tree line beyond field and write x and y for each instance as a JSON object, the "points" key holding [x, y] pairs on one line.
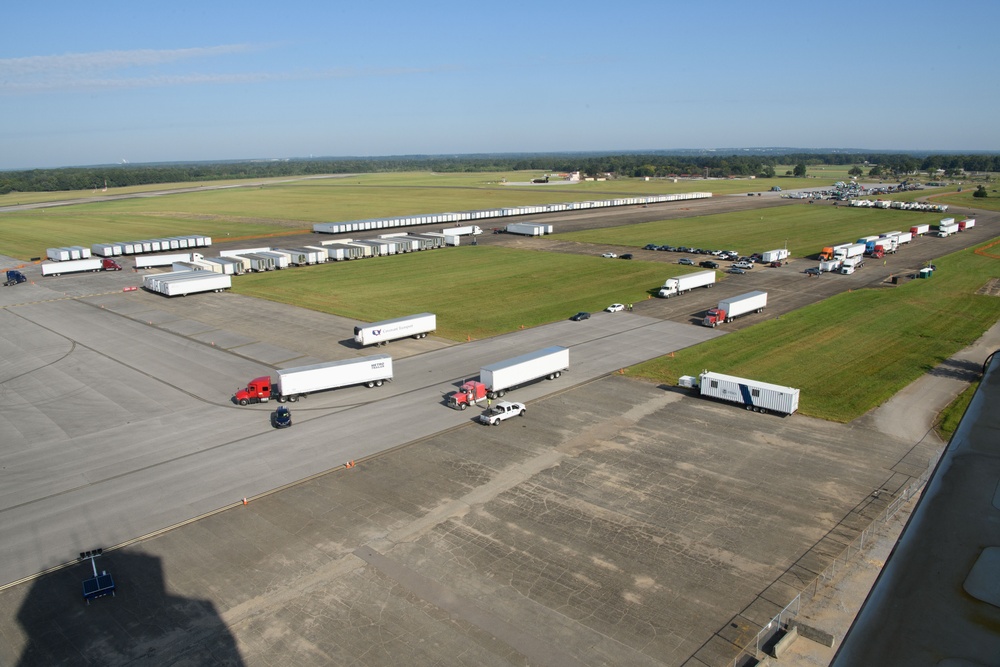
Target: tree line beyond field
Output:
{"points": [[637, 165]]}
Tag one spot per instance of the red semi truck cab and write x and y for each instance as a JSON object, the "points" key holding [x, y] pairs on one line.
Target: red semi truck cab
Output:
{"points": [[470, 392], [714, 316], [110, 265], [258, 390]]}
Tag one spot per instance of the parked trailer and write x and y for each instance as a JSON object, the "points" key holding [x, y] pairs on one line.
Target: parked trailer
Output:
{"points": [[295, 383], [278, 259], [754, 395], [497, 379], [58, 254], [151, 261], [966, 224], [182, 283], [737, 306], [411, 326], [849, 251], [947, 229], [686, 283], [779, 255], [528, 229], [920, 230], [78, 265], [468, 230]]}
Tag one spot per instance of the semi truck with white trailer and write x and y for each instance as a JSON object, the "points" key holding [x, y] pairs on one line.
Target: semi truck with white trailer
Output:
{"points": [[295, 383], [380, 333], [754, 395], [966, 224], [779, 255], [737, 306], [153, 261], [686, 283], [467, 230], [78, 265], [920, 230], [947, 228], [497, 379], [849, 251], [182, 283]]}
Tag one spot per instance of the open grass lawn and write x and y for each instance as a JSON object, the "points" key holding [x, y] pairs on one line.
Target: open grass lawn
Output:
{"points": [[852, 352], [476, 291], [806, 228], [964, 198]]}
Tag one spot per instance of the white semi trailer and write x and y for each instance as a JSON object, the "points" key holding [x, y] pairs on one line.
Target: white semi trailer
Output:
{"points": [[686, 283], [182, 283], [411, 326], [295, 383]]}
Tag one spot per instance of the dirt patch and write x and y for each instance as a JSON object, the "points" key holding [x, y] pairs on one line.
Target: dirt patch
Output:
{"points": [[991, 288]]}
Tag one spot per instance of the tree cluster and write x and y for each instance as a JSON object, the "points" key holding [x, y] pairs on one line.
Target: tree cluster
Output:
{"points": [[645, 164]]}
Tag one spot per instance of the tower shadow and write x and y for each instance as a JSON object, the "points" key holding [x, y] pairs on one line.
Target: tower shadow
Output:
{"points": [[141, 622]]}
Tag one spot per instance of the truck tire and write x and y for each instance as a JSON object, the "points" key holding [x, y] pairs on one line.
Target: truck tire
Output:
{"points": [[282, 399], [495, 422], [550, 376], [378, 383], [462, 406], [369, 384], [293, 398], [521, 413], [244, 401], [501, 393], [558, 373], [491, 395]]}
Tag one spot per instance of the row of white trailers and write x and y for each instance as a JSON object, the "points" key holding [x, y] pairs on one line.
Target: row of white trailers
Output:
{"points": [[151, 245], [899, 205], [471, 216], [182, 283]]}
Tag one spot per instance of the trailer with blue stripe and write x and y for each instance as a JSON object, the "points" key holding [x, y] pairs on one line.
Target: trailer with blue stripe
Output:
{"points": [[757, 396]]}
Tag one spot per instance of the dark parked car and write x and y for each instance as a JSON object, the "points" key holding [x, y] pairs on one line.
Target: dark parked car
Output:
{"points": [[650, 246], [668, 248], [282, 417], [738, 272], [580, 317], [708, 264], [627, 255], [814, 271]]}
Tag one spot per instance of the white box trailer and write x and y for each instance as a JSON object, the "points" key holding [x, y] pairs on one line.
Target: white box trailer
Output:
{"points": [[528, 229], [467, 230], [918, 230], [258, 262], [150, 261], [182, 283], [343, 251], [380, 333], [58, 254], [241, 251], [224, 265], [966, 224], [947, 230], [778, 255], [903, 237], [79, 252], [372, 371], [72, 266], [737, 306], [754, 395], [102, 250], [830, 265], [549, 362], [849, 251], [686, 283]]}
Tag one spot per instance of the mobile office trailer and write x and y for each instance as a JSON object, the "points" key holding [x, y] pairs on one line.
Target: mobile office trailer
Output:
{"points": [[366, 250], [446, 239], [278, 259], [830, 265], [222, 265], [778, 255], [430, 241], [757, 396], [549, 362], [686, 283], [295, 383], [150, 261], [241, 251], [411, 326], [58, 254], [105, 249], [258, 262], [79, 252], [343, 251], [302, 256]]}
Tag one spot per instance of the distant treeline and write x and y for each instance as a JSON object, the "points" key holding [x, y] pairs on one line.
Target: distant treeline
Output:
{"points": [[635, 165]]}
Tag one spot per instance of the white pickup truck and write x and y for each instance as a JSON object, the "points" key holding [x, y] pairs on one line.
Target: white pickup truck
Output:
{"points": [[502, 410]]}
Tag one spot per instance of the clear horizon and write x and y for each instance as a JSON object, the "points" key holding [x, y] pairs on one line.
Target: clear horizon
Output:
{"points": [[195, 82]]}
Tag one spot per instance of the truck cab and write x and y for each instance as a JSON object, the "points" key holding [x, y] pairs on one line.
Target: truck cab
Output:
{"points": [[714, 317], [110, 265], [469, 393], [14, 278], [501, 411], [258, 390]]}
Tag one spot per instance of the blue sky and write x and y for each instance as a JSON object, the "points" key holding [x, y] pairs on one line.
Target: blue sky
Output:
{"points": [[97, 83]]}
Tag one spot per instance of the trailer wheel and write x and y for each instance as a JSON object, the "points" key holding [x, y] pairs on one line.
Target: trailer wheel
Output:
{"points": [[243, 401], [282, 399], [763, 411], [501, 393], [293, 398], [550, 376], [558, 373], [749, 407], [378, 383], [490, 395], [370, 384]]}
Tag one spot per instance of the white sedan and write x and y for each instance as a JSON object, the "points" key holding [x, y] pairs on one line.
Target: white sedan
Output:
{"points": [[609, 255], [615, 308]]}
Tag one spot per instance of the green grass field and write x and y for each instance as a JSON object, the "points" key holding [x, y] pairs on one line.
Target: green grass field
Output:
{"points": [[850, 353], [475, 291], [806, 228], [279, 206]]}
